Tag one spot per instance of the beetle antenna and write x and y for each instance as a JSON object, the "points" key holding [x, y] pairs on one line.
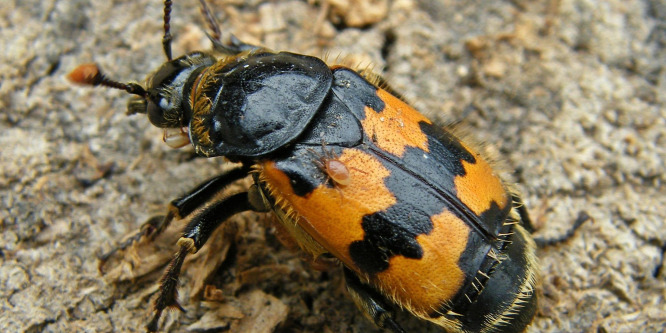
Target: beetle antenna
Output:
{"points": [[166, 40], [91, 75]]}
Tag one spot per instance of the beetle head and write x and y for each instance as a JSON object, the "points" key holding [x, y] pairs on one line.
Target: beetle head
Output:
{"points": [[165, 99]]}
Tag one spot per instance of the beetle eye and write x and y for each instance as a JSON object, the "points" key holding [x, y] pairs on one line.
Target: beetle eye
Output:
{"points": [[156, 115]]}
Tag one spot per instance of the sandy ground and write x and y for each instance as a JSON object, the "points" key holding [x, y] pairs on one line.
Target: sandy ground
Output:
{"points": [[570, 93]]}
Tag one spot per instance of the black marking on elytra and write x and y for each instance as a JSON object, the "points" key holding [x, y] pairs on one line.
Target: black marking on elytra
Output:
{"points": [[438, 169], [447, 148], [303, 172], [495, 216], [383, 240], [423, 184], [356, 92], [300, 184]]}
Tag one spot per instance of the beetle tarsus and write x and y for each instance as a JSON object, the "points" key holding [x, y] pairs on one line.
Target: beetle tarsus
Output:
{"points": [[148, 229], [178, 208], [195, 235], [168, 295], [544, 242]]}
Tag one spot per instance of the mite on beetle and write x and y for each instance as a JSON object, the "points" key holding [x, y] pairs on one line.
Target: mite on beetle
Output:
{"points": [[417, 218]]}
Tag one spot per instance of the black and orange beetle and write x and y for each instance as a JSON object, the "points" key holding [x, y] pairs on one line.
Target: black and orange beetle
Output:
{"points": [[418, 218]]}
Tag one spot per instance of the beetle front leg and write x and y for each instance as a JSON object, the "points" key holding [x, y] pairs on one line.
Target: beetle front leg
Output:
{"points": [[371, 303], [185, 205], [180, 208], [194, 237]]}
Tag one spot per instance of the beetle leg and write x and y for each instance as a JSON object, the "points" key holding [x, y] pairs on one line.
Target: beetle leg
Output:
{"points": [[543, 242], [180, 208], [525, 219], [195, 235], [529, 226], [371, 303], [151, 224], [234, 46], [203, 193]]}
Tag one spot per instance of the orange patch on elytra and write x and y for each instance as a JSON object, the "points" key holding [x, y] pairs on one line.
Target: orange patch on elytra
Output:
{"points": [[424, 284], [480, 186], [333, 216], [396, 127]]}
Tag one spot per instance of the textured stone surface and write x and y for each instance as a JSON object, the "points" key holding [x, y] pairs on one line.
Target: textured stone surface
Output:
{"points": [[570, 93]]}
